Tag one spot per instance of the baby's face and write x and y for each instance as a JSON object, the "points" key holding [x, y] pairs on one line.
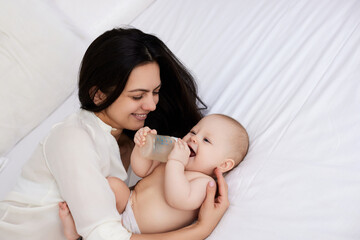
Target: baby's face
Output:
{"points": [[208, 143]]}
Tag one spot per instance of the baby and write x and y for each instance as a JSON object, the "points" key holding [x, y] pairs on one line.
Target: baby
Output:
{"points": [[169, 194]]}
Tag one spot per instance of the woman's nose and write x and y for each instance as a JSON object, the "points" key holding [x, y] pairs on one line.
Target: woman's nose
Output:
{"points": [[150, 104]]}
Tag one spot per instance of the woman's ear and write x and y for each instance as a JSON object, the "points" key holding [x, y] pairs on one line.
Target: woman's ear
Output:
{"points": [[99, 96], [227, 165]]}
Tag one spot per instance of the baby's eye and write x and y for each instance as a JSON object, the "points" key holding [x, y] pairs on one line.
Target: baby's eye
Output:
{"points": [[207, 140], [192, 132]]}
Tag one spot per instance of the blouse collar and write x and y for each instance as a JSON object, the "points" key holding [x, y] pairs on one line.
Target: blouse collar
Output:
{"points": [[104, 126]]}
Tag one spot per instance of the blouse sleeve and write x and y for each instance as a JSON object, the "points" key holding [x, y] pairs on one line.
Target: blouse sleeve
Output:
{"points": [[71, 156]]}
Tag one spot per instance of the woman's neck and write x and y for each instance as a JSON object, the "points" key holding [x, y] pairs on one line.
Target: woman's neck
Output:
{"points": [[116, 132], [126, 146]]}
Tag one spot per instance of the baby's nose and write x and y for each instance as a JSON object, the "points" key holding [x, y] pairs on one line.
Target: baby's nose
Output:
{"points": [[193, 139]]}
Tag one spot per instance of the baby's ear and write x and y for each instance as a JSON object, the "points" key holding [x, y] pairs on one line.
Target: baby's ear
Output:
{"points": [[227, 165]]}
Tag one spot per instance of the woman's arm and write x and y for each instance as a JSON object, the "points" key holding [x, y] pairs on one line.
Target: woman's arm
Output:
{"points": [[77, 167], [211, 212]]}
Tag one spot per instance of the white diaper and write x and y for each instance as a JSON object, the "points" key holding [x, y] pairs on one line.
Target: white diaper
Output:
{"points": [[128, 218]]}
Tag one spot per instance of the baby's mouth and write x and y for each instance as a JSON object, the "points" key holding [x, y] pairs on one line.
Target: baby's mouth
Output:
{"points": [[192, 152]]}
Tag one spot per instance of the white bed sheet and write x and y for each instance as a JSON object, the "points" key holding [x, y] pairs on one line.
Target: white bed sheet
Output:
{"points": [[289, 71]]}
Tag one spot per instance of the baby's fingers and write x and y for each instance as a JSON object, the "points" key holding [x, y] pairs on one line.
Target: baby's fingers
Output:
{"points": [[183, 145], [140, 136], [144, 131], [137, 138]]}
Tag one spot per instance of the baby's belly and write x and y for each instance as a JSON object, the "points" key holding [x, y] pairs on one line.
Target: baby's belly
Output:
{"points": [[154, 215]]}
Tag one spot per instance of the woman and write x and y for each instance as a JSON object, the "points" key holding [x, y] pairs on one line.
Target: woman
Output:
{"points": [[120, 79]]}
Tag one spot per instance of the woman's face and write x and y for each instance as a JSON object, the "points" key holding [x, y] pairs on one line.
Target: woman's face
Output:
{"points": [[139, 97]]}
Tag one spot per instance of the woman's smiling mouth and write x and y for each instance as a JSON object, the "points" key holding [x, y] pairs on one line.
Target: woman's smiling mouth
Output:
{"points": [[140, 117]]}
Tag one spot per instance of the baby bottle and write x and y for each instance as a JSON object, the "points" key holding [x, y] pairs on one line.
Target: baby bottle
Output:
{"points": [[157, 147]]}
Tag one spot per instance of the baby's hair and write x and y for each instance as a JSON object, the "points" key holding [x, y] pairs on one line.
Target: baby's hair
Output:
{"points": [[239, 140]]}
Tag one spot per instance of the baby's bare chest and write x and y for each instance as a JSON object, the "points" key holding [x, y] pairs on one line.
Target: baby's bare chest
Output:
{"points": [[151, 210]]}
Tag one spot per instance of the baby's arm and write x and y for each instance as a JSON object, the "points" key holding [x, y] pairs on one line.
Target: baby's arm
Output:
{"points": [[140, 165], [184, 191]]}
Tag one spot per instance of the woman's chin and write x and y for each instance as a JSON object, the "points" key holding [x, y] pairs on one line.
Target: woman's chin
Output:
{"points": [[136, 125]]}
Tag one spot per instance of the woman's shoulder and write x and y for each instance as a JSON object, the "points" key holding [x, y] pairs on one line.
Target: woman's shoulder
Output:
{"points": [[79, 123]]}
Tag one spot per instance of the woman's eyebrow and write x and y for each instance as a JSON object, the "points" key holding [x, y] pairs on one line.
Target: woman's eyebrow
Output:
{"points": [[143, 90], [139, 90]]}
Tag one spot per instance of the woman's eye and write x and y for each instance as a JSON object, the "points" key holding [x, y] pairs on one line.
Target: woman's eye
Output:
{"points": [[156, 93], [137, 97]]}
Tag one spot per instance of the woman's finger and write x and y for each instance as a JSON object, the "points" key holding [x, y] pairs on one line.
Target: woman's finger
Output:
{"points": [[210, 193], [223, 187]]}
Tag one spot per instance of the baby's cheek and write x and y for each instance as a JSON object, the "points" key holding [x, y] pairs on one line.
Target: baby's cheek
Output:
{"points": [[185, 138]]}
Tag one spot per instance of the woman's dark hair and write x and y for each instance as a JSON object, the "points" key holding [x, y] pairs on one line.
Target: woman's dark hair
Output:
{"points": [[108, 62]]}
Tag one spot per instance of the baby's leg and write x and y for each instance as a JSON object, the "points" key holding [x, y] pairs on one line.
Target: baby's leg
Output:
{"points": [[68, 222], [121, 191]]}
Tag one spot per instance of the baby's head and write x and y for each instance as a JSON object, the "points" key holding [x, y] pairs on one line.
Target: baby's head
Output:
{"points": [[216, 141]]}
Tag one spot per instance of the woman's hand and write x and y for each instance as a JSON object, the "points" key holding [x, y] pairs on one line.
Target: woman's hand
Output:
{"points": [[214, 208]]}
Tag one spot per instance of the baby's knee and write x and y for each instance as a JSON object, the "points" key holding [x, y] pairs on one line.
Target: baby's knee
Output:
{"points": [[121, 192]]}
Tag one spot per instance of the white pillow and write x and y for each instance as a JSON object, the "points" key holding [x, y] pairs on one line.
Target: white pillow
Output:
{"points": [[39, 61], [97, 16]]}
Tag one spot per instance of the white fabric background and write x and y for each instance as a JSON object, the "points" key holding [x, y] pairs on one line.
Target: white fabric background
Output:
{"points": [[289, 71], [39, 61]]}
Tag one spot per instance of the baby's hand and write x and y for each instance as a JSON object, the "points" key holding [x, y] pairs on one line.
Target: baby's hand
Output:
{"points": [[180, 152], [140, 136]]}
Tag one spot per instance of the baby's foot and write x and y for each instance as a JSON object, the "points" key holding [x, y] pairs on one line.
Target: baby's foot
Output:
{"points": [[68, 222]]}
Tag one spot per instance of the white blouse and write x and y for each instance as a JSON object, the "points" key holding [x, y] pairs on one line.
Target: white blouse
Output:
{"points": [[70, 165]]}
